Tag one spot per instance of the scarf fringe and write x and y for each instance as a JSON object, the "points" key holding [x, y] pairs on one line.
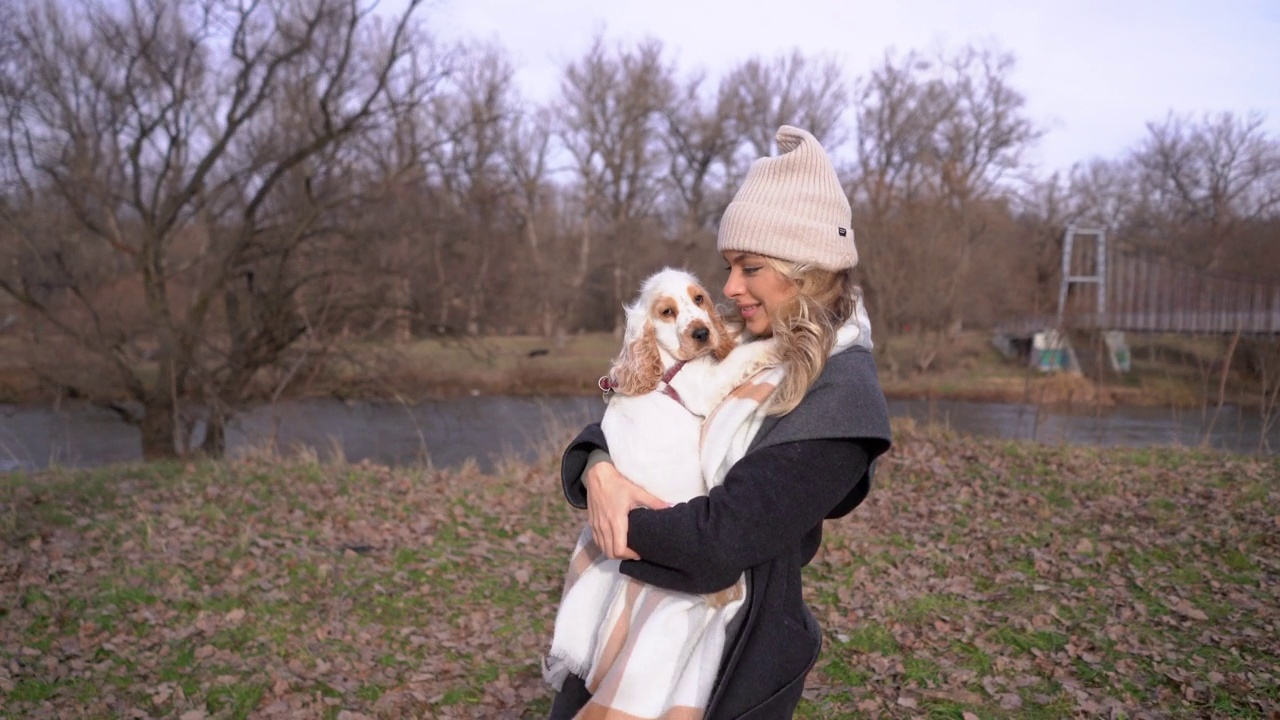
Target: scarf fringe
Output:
{"points": [[559, 664]]}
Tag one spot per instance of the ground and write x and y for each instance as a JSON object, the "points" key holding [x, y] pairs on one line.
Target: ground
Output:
{"points": [[981, 579]]}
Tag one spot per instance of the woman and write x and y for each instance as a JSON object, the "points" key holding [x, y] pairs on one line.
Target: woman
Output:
{"points": [[804, 455]]}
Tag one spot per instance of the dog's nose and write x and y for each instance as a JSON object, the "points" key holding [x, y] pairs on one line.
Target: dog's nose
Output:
{"points": [[701, 334]]}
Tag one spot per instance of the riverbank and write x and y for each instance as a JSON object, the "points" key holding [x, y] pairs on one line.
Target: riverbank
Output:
{"points": [[1001, 579], [1167, 371]]}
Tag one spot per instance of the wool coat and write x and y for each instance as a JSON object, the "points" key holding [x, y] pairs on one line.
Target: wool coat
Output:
{"points": [[811, 464]]}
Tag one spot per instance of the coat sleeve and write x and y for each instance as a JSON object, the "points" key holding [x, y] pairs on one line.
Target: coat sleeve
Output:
{"points": [[769, 500], [574, 461]]}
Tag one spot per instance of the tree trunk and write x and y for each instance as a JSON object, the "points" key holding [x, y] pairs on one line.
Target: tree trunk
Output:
{"points": [[402, 318], [215, 435], [157, 426], [619, 317]]}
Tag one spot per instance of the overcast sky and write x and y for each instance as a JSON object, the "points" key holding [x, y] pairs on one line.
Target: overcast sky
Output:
{"points": [[1093, 71]]}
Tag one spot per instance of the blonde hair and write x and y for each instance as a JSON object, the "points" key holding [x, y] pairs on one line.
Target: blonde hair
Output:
{"points": [[806, 325]]}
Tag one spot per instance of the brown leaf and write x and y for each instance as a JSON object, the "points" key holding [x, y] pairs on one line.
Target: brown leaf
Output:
{"points": [[1184, 608], [956, 695]]}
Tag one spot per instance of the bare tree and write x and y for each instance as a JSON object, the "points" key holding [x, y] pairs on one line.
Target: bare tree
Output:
{"points": [[1204, 184], [466, 167], [612, 105], [199, 152], [808, 92], [1103, 193], [527, 153], [937, 139], [702, 149]]}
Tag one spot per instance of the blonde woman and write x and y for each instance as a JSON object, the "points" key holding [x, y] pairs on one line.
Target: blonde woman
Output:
{"points": [[792, 447]]}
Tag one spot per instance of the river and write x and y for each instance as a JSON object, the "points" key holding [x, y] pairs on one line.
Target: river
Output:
{"points": [[489, 429]]}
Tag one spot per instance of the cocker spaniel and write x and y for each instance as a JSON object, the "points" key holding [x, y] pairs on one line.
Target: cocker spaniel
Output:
{"points": [[678, 362]]}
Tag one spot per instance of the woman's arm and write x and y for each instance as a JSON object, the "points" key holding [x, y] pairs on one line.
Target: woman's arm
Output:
{"points": [[769, 499], [574, 461], [610, 499]]}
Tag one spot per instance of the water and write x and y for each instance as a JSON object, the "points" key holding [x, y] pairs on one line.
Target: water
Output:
{"points": [[488, 429], [1236, 429]]}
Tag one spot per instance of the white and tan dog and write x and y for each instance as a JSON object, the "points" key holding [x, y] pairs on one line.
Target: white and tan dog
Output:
{"points": [[678, 362]]}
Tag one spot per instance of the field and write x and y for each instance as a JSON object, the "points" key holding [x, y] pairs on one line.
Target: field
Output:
{"points": [[980, 579], [1168, 371]]}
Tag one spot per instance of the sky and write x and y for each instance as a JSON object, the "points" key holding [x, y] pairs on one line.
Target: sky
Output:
{"points": [[1094, 72]]}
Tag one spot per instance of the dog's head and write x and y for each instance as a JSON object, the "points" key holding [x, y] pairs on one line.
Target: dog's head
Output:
{"points": [[673, 313]]}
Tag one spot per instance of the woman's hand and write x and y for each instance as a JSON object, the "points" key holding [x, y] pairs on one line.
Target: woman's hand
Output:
{"points": [[610, 496]]}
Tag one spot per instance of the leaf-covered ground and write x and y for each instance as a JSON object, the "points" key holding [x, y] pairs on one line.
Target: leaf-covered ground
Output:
{"points": [[980, 579]]}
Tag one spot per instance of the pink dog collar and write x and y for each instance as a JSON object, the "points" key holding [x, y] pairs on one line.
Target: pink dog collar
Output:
{"points": [[608, 386]]}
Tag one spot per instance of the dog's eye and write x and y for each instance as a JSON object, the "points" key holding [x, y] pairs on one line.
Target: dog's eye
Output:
{"points": [[667, 312], [697, 299]]}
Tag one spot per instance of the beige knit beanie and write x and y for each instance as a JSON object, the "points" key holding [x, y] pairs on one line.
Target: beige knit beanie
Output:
{"points": [[792, 207]]}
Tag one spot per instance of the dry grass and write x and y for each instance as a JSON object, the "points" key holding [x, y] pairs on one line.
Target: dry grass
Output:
{"points": [[1169, 371]]}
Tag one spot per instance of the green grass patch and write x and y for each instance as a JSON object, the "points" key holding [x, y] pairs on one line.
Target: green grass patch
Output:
{"points": [[1024, 641], [871, 639]]}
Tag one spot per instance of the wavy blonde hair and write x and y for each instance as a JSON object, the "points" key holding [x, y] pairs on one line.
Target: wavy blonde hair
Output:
{"points": [[806, 325]]}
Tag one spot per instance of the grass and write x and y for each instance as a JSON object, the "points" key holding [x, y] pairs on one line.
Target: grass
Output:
{"points": [[981, 578], [1168, 371]]}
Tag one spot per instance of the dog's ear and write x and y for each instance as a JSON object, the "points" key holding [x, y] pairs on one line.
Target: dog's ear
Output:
{"points": [[638, 368], [726, 339]]}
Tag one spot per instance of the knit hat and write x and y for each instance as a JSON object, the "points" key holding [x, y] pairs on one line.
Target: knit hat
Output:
{"points": [[791, 206]]}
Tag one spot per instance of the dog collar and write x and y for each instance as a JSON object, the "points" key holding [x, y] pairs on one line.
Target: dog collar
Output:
{"points": [[671, 371], [667, 377], [608, 386]]}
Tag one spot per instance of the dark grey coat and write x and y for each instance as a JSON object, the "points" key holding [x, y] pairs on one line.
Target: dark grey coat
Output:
{"points": [[811, 464]]}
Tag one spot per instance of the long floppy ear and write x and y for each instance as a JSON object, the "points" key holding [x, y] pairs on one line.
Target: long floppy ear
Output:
{"points": [[638, 368], [727, 338]]}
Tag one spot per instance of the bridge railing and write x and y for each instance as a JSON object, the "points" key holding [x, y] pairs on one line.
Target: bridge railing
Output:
{"points": [[1140, 291]]}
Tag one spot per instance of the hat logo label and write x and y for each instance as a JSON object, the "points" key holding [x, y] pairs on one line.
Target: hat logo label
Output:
{"points": [[843, 232]]}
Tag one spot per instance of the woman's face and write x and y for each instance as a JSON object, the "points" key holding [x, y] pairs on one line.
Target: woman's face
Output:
{"points": [[757, 289]]}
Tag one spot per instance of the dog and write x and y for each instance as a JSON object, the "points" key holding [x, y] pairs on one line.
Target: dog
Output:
{"points": [[679, 360]]}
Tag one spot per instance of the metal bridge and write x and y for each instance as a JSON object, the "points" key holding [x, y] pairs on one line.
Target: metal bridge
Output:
{"points": [[1140, 291], [1106, 293]]}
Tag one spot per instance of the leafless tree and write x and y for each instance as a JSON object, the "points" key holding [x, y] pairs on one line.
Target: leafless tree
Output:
{"points": [[198, 154], [702, 145], [1205, 184], [612, 104], [527, 153], [936, 139], [1103, 193], [466, 168], [793, 89]]}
